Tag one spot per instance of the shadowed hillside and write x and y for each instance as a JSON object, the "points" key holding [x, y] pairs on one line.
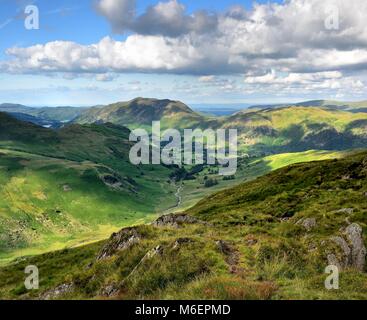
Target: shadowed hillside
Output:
{"points": [[61, 187]]}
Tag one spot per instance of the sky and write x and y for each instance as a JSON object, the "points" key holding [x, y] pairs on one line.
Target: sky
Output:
{"points": [[92, 52]]}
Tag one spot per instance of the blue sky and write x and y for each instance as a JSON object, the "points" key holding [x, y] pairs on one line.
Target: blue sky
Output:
{"points": [[90, 52]]}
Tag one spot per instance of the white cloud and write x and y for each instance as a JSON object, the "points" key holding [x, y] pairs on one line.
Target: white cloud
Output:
{"points": [[330, 82], [145, 53], [289, 38], [293, 78], [105, 77], [165, 18]]}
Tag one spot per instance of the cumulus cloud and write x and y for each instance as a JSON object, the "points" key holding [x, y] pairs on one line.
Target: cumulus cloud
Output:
{"points": [[327, 82], [165, 18], [293, 78], [291, 38], [136, 53]]}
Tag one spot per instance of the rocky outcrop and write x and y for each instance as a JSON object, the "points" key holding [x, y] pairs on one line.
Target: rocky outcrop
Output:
{"points": [[109, 290], [358, 249], [345, 210], [175, 220], [307, 223], [58, 291], [350, 249], [119, 241]]}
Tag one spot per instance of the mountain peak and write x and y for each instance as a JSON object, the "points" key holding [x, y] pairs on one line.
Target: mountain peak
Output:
{"points": [[142, 111]]}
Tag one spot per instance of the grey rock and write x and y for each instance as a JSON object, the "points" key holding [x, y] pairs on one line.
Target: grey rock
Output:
{"points": [[58, 291], [358, 249], [345, 210], [345, 250], [175, 220], [352, 251], [333, 261], [309, 223], [122, 240], [110, 290]]}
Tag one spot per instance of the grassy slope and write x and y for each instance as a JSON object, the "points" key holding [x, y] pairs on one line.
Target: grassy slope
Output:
{"points": [[141, 112], [62, 114], [52, 193], [274, 259], [298, 129], [194, 190]]}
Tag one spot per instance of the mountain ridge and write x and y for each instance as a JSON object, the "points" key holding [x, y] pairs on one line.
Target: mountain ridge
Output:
{"points": [[143, 111]]}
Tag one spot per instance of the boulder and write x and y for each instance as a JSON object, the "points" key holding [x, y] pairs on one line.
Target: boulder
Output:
{"points": [[175, 220], [122, 240], [358, 249], [308, 223], [351, 251]]}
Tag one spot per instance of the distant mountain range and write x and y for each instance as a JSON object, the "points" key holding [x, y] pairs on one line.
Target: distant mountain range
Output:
{"points": [[278, 129], [360, 106], [38, 121], [47, 116], [318, 124]]}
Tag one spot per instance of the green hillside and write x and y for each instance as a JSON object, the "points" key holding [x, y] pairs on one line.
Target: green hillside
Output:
{"points": [[141, 112], [353, 106], [270, 238], [60, 188], [61, 114], [262, 132], [193, 190], [295, 129]]}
